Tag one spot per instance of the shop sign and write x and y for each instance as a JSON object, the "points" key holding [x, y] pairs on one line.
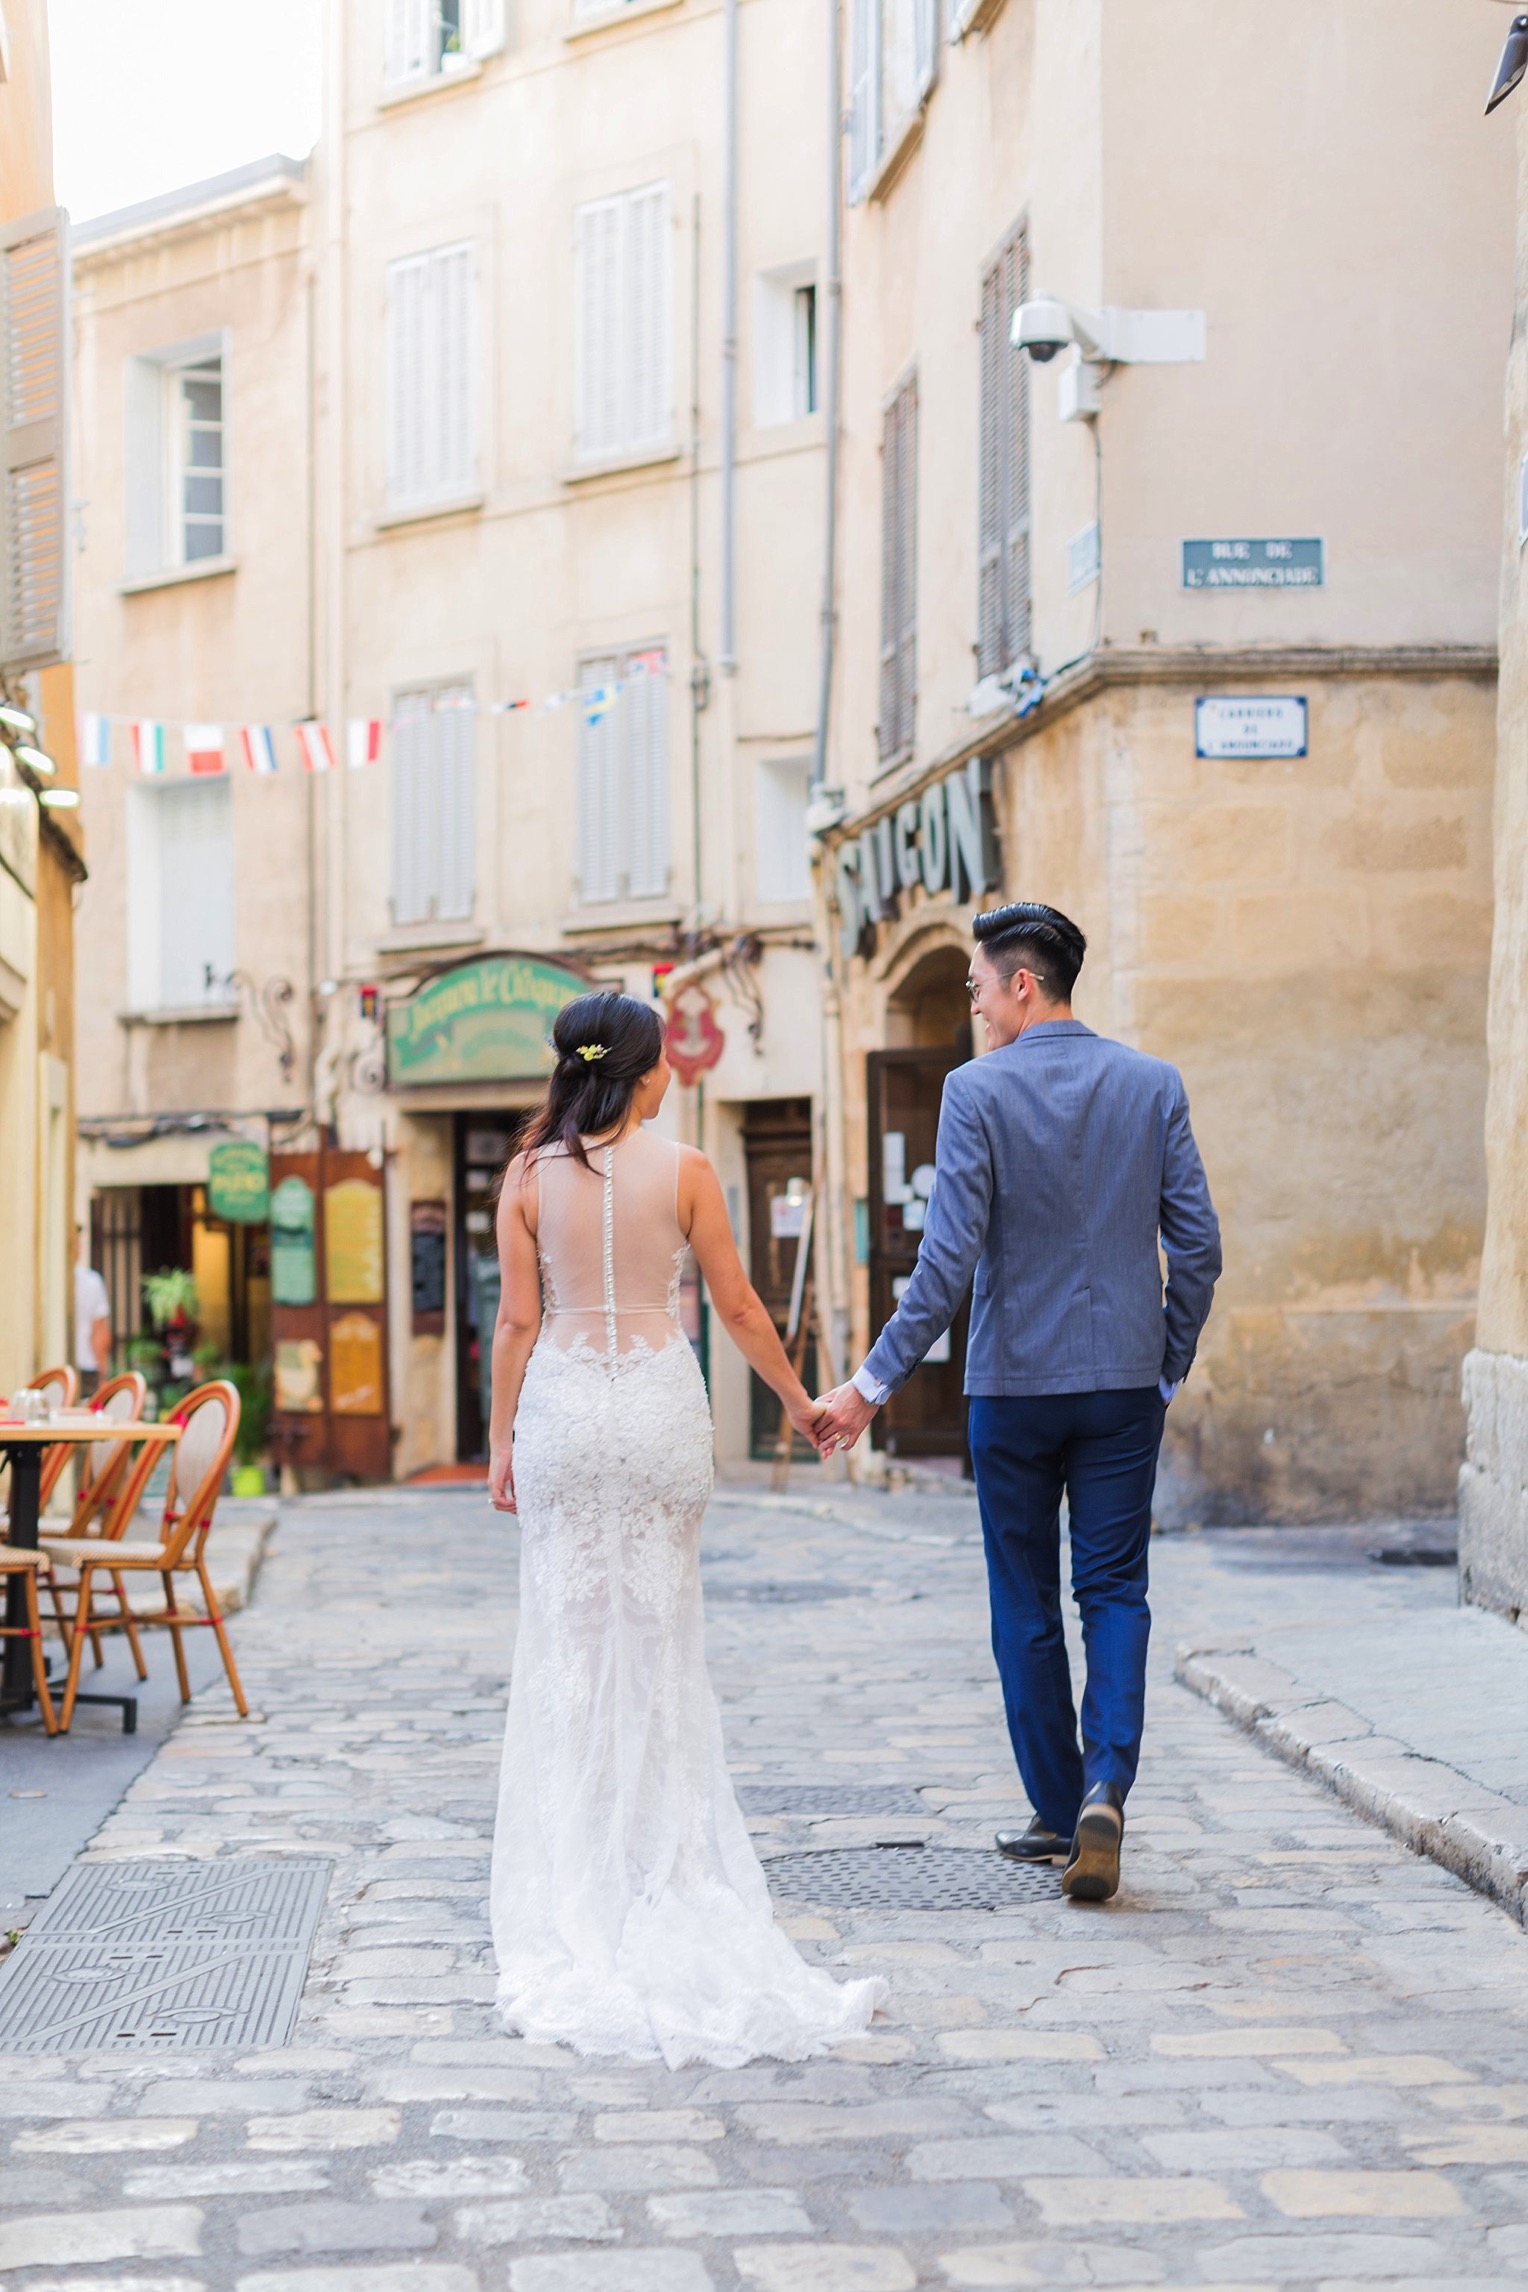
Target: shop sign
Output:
{"points": [[486, 1021], [239, 1183], [355, 1365], [1254, 564], [1230, 727], [693, 1038], [293, 1275], [944, 840], [353, 1273]]}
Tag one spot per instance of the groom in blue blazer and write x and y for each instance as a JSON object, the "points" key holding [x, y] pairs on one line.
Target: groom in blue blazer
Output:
{"points": [[1062, 1160]]}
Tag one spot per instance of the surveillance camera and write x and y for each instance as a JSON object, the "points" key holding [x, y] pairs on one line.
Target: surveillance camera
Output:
{"points": [[1043, 328]]}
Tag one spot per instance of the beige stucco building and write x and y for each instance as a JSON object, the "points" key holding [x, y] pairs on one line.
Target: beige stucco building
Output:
{"points": [[1298, 507]]}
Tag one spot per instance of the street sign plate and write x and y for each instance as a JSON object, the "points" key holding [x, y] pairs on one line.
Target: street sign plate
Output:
{"points": [[1230, 725], [1246, 564]]}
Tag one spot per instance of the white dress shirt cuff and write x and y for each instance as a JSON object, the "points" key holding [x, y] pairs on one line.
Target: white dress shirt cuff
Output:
{"points": [[870, 1388]]}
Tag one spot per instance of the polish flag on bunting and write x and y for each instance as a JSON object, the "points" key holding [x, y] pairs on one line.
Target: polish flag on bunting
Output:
{"points": [[317, 748], [204, 748], [363, 741], [94, 739], [148, 745], [259, 749]]}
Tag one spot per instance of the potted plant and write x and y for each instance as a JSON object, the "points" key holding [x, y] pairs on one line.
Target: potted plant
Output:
{"points": [[253, 1381], [170, 1295]]}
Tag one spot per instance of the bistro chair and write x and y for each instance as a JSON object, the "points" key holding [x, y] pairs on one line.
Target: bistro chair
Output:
{"points": [[210, 1417], [102, 1467], [28, 1566], [98, 1511], [60, 1389]]}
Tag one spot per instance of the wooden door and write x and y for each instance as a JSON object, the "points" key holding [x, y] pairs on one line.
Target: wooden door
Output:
{"points": [[329, 1314], [928, 1416], [777, 1149]]}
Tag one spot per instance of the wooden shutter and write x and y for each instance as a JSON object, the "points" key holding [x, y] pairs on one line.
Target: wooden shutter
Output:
{"points": [[455, 747], [898, 571], [482, 27], [412, 838], [196, 892], [431, 372], [1017, 573], [452, 333], [34, 379], [601, 821], [406, 288], [925, 46], [991, 634], [410, 26], [1003, 602], [643, 710], [647, 349], [598, 231], [864, 96]]}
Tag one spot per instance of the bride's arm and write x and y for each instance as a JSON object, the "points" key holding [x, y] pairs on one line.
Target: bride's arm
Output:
{"points": [[514, 1332], [748, 1322]]}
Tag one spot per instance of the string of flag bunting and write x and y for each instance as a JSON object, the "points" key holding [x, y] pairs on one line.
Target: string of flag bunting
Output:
{"points": [[211, 749]]}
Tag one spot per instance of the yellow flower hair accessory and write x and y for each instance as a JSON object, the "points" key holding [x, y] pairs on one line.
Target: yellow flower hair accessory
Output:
{"points": [[592, 1051]]}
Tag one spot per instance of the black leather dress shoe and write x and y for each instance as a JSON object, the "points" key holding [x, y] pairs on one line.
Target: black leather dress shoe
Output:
{"points": [[1037, 1844], [1092, 1870]]}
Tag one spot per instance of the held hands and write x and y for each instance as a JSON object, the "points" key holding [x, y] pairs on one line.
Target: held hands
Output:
{"points": [[501, 1480], [845, 1412]]}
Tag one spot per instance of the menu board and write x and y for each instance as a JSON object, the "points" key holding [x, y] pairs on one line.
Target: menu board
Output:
{"points": [[353, 1243], [293, 1273], [299, 1377], [355, 1365]]}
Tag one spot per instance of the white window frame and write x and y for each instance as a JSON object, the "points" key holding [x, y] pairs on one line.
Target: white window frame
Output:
{"points": [[151, 893], [178, 468], [786, 369], [623, 349], [893, 64], [423, 477], [155, 523], [431, 43], [782, 864], [625, 768]]}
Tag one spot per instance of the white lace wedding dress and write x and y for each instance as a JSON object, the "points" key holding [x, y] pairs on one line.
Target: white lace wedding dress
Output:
{"points": [[630, 1914]]}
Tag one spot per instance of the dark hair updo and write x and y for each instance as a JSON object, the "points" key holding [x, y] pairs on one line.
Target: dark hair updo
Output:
{"points": [[605, 1043]]}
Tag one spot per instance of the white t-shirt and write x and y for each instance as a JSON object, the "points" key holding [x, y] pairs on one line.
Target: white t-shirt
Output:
{"points": [[91, 1304]]}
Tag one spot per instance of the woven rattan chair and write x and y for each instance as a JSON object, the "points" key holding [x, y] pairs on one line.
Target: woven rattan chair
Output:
{"points": [[28, 1566], [105, 1468], [210, 1417]]}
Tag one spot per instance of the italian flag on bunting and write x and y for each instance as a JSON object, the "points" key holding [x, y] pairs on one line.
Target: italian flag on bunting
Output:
{"points": [[148, 745]]}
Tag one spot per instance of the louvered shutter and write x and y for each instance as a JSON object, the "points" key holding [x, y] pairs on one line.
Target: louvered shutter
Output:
{"points": [[643, 709], [1017, 570], [601, 822], [412, 837], [406, 290], [34, 373], [1003, 605], [647, 268], [925, 46], [597, 267], [452, 331], [196, 891], [864, 95], [454, 748], [991, 636], [898, 584], [410, 25], [482, 27], [431, 303]]}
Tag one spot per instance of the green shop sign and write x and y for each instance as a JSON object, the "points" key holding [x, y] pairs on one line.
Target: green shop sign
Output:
{"points": [[482, 1022], [293, 1274], [239, 1183]]}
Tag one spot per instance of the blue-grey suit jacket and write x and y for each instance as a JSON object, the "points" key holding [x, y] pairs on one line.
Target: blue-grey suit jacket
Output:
{"points": [[1061, 1159]]}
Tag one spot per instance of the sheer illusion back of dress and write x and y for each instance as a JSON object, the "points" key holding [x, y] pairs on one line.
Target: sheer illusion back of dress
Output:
{"points": [[630, 1914]]}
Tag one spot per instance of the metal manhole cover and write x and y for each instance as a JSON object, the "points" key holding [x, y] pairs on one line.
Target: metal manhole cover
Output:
{"points": [[783, 1595], [164, 1957], [909, 1878], [816, 1802]]}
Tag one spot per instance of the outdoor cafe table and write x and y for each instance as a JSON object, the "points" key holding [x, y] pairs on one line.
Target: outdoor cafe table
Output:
{"points": [[24, 1445]]}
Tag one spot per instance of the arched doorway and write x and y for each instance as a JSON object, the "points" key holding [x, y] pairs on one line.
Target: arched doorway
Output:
{"points": [[928, 1032]]}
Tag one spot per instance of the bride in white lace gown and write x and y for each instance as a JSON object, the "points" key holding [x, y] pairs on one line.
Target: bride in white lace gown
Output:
{"points": [[630, 1914]]}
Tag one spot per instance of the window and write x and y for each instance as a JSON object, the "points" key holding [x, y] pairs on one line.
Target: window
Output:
{"points": [[782, 870], [195, 460], [180, 895], [434, 39], [623, 273], [177, 457], [893, 56], [623, 776], [433, 807], [899, 587], [1002, 595], [432, 452], [34, 385], [785, 344]]}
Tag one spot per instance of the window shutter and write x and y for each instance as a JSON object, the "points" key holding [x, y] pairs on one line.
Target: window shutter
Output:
{"points": [[1017, 570], [195, 824], [456, 451], [455, 745], [1003, 604], [482, 27], [647, 350], [643, 710], [598, 231], [405, 343], [34, 377], [431, 303], [411, 823], [600, 824], [991, 656], [898, 581], [925, 46], [864, 93], [410, 24]]}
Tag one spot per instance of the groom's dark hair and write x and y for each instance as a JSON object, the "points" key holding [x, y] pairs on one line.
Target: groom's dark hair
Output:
{"points": [[1026, 936]]}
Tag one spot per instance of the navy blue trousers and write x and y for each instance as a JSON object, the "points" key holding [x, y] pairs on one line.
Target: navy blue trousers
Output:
{"points": [[1102, 1449]]}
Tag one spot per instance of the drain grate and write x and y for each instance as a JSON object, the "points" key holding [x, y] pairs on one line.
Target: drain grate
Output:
{"points": [[158, 1957], [909, 1878], [818, 1801], [785, 1595]]}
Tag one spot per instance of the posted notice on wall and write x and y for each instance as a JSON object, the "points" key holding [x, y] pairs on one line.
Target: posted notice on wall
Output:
{"points": [[1227, 725]]}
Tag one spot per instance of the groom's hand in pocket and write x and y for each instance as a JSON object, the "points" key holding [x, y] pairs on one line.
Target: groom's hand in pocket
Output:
{"points": [[845, 1414]]}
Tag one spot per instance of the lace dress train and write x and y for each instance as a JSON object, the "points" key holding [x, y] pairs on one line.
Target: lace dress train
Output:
{"points": [[630, 1913]]}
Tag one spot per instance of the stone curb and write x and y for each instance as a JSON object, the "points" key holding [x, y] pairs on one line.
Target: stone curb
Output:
{"points": [[1428, 1805]]}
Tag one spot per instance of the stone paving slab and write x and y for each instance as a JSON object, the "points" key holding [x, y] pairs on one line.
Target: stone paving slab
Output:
{"points": [[1291, 2053]]}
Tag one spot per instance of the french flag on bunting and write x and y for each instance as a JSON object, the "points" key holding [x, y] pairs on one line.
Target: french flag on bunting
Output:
{"points": [[148, 745], [258, 746], [95, 739], [317, 748], [363, 741], [204, 748]]}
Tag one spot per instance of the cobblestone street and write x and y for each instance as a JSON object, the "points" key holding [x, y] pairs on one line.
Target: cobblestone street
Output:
{"points": [[1290, 2053]]}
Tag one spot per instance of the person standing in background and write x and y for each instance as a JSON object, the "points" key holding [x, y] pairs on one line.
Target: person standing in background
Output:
{"points": [[92, 1320]]}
